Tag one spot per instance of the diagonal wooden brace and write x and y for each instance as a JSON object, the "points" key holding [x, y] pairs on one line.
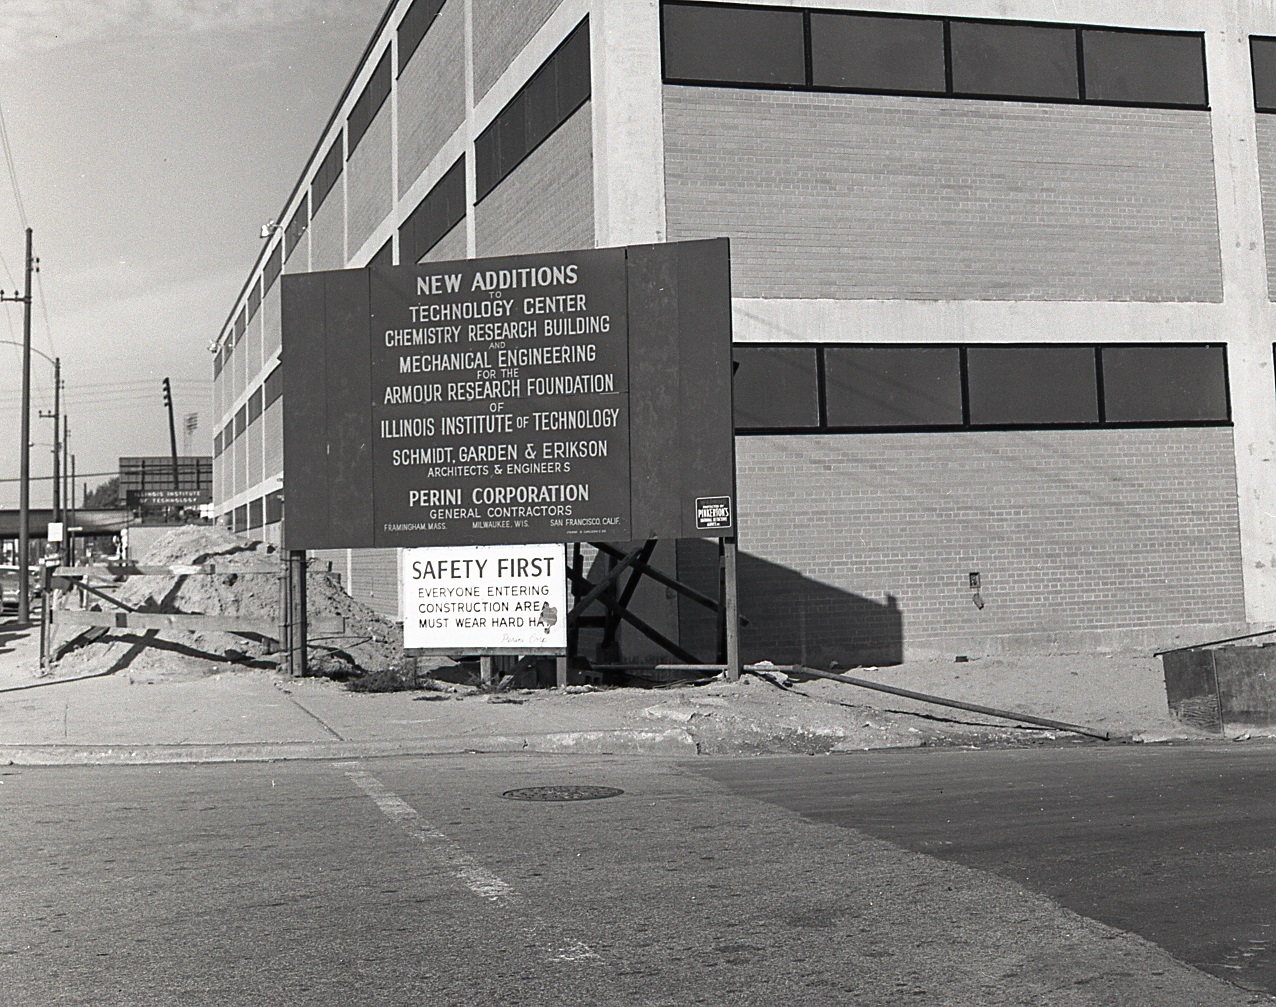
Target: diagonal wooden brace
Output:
{"points": [[648, 631], [665, 580], [612, 575]]}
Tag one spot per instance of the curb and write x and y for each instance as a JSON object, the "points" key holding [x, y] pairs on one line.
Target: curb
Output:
{"points": [[660, 743]]}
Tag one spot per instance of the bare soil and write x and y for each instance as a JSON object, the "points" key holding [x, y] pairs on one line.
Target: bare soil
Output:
{"points": [[369, 645]]}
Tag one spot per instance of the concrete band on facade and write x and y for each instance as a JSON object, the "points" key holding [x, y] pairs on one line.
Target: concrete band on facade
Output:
{"points": [[864, 219]]}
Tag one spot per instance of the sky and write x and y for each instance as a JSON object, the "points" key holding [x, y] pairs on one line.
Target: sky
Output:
{"points": [[150, 140]]}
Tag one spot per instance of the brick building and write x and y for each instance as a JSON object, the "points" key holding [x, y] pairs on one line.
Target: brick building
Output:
{"points": [[1000, 290]]}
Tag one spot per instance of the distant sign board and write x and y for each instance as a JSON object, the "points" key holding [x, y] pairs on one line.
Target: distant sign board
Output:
{"points": [[154, 481], [569, 396], [167, 498], [485, 599]]}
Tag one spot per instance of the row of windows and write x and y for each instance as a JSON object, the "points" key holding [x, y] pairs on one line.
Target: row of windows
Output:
{"points": [[264, 510], [878, 53], [845, 388], [261, 400], [543, 104], [441, 210]]}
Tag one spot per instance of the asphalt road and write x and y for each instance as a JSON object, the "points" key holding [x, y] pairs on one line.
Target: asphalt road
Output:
{"points": [[1175, 843], [413, 881]]}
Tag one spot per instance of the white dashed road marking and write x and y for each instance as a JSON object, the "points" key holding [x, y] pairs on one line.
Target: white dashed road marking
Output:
{"points": [[477, 879]]}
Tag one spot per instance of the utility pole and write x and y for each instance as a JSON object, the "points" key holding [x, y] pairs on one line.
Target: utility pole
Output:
{"points": [[67, 482], [71, 519], [172, 432], [56, 417], [24, 474]]}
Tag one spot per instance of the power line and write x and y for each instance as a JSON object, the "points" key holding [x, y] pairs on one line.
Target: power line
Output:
{"points": [[13, 174], [44, 308]]}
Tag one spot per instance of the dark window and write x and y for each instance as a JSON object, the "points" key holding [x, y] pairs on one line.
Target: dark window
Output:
{"points": [[369, 104], [217, 444], [254, 406], [877, 53], [1262, 54], [441, 210], [255, 509], [511, 131], [326, 177], [733, 45], [240, 518], [217, 363], [241, 324], [274, 387], [416, 22], [241, 420], [572, 79], [1144, 67], [1015, 60], [543, 104], [272, 268], [776, 387], [1164, 384], [254, 299], [274, 507], [297, 226], [905, 386], [1032, 385], [228, 434]]}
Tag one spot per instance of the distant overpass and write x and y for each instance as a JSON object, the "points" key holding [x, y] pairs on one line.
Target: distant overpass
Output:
{"points": [[93, 522]]}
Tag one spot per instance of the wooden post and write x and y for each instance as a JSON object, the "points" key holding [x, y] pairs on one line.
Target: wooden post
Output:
{"points": [[285, 625], [732, 606], [486, 673], [44, 615], [560, 671], [297, 612]]}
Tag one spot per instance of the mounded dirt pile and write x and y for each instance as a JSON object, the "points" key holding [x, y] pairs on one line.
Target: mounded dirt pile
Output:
{"points": [[370, 646]]}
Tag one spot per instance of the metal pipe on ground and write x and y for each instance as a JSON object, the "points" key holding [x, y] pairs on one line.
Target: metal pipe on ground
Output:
{"points": [[894, 690], [955, 704]]}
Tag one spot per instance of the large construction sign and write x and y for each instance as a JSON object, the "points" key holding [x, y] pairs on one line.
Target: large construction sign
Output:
{"points": [[547, 398]]}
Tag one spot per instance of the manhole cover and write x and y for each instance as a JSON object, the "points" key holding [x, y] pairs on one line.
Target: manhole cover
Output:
{"points": [[562, 793]]}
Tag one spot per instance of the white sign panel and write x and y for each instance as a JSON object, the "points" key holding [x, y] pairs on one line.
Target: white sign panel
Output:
{"points": [[509, 599], [56, 531]]}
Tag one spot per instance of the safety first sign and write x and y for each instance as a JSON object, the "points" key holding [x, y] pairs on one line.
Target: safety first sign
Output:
{"points": [[486, 599]]}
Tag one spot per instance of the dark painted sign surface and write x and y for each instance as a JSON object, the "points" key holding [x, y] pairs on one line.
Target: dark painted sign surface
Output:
{"points": [[560, 397], [501, 399]]}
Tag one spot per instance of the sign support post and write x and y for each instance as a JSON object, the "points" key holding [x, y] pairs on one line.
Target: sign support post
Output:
{"points": [[295, 593], [732, 606]]}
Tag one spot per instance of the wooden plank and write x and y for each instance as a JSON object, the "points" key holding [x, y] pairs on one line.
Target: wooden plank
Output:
{"points": [[305, 407], [189, 623], [681, 433], [346, 475], [137, 570]]}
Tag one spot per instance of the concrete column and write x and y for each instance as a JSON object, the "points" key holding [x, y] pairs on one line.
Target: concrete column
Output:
{"points": [[628, 122], [1249, 314]]}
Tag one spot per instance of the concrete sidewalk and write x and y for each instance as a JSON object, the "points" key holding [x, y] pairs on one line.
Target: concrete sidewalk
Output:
{"points": [[239, 714]]}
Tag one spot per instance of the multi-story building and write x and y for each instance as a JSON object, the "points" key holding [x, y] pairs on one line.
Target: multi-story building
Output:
{"points": [[1002, 288]]}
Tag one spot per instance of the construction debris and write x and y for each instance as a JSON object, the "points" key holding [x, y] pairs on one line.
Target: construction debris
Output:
{"points": [[243, 585]]}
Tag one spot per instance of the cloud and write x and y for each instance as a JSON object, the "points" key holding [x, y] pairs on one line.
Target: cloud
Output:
{"points": [[31, 26]]}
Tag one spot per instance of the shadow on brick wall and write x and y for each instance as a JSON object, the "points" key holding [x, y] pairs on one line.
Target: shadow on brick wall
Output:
{"points": [[792, 618]]}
